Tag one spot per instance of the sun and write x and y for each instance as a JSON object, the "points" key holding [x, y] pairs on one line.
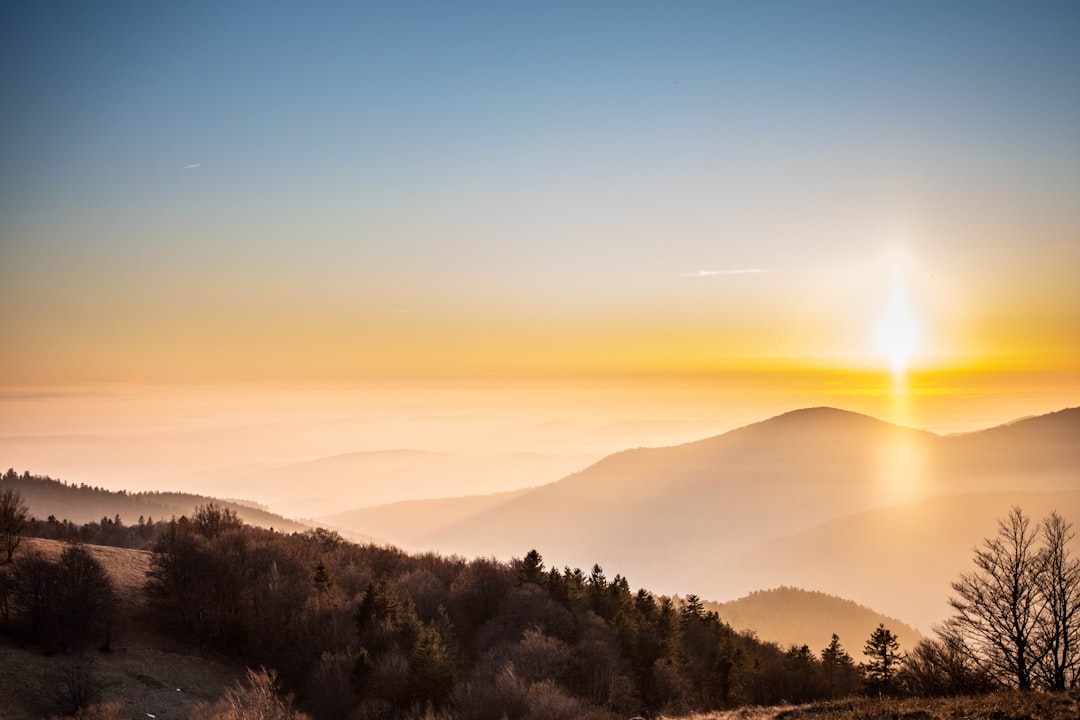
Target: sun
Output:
{"points": [[897, 331]]}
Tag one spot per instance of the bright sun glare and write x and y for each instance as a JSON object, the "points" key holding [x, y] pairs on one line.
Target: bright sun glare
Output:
{"points": [[897, 331]]}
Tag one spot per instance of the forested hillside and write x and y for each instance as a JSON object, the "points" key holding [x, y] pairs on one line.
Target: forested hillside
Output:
{"points": [[83, 503], [792, 616], [373, 632]]}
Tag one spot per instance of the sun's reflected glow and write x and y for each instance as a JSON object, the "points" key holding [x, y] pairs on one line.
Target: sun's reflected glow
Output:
{"points": [[900, 457], [897, 331]]}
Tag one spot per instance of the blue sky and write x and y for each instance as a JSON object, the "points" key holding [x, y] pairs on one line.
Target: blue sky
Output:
{"points": [[532, 172]]}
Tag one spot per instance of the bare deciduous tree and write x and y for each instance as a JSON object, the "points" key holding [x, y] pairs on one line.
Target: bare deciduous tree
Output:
{"points": [[1000, 606], [1060, 588], [81, 681], [14, 518], [944, 666]]}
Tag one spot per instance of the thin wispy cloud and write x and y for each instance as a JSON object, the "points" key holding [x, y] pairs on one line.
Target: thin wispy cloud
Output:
{"points": [[712, 273], [192, 165]]}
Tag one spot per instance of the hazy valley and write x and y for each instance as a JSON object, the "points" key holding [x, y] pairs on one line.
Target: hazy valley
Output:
{"points": [[777, 536], [820, 499]]}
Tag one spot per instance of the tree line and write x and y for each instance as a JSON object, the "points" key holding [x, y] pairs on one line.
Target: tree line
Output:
{"points": [[82, 503], [372, 632], [1017, 614], [62, 604]]}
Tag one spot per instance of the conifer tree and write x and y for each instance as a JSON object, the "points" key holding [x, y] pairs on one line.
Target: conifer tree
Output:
{"points": [[531, 567], [883, 653], [838, 669], [323, 579]]}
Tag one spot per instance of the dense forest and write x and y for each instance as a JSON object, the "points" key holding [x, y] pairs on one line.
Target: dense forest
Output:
{"points": [[366, 631], [372, 631]]}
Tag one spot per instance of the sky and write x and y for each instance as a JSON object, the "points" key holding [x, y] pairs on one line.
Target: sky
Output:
{"points": [[694, 211]]}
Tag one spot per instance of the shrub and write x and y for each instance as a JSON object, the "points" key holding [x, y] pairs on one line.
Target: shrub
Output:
{"points": [[81, 682], [254, 698], [102, 711], [548, 701], [329, 690], [492, 693]]}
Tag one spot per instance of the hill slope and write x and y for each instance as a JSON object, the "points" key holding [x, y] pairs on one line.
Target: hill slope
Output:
{"points": [[790, 616], [729, 493], [151, 673], [709, 503], [898, 560], [372, 478], [732, 492], [82, 503], [406, 521]]}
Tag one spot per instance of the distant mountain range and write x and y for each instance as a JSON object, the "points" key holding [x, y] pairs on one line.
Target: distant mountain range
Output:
{"points": [[822, 499], [800, 499], [381, 477], [434, 516]]}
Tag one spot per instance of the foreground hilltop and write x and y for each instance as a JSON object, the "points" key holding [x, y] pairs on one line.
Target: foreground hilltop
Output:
{"points": [[368, 631]]}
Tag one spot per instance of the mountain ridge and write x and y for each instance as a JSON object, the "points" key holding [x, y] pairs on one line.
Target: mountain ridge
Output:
{"points": [[710, 501]]}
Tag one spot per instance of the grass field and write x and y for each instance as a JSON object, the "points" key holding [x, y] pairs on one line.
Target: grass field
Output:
{"points": [[1005, 705], [150, 673]]}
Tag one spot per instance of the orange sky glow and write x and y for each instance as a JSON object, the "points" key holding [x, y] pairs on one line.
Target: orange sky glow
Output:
{"points": [[507, 218]]}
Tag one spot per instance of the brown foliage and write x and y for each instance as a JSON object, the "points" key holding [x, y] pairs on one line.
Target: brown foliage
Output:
{"points": [[256, 698], [14, 518], [64, 602], [101, 711]]}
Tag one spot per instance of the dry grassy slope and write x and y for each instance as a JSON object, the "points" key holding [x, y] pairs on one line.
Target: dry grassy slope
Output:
{"points": [[1005, 705], [147, 671]]}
